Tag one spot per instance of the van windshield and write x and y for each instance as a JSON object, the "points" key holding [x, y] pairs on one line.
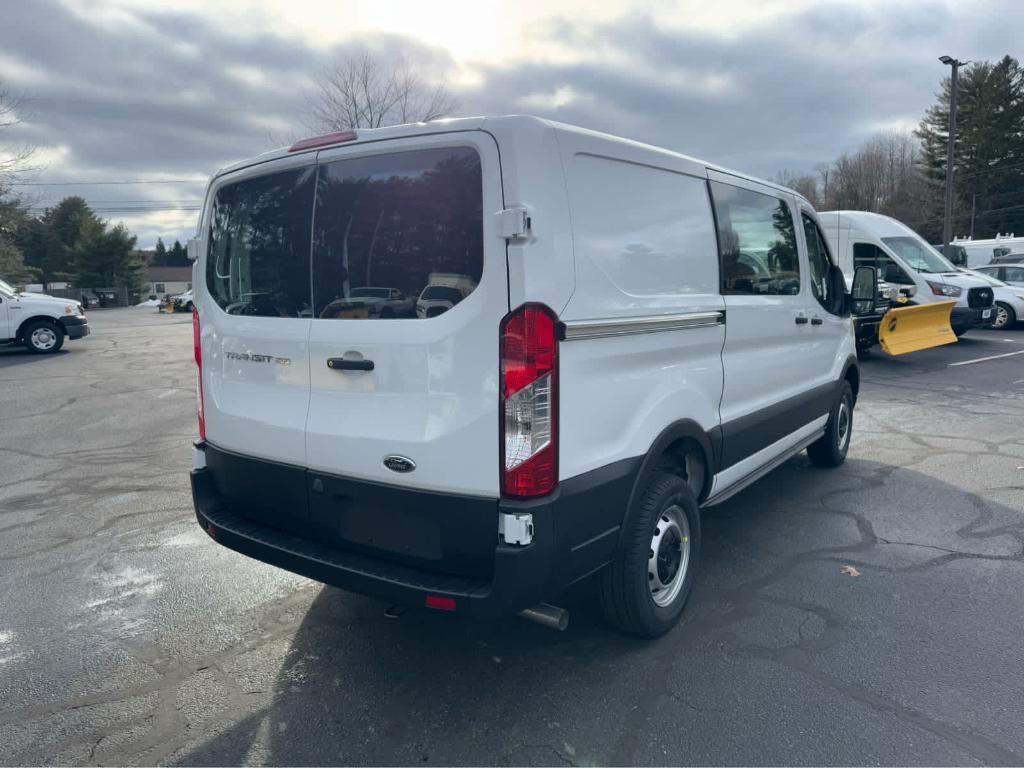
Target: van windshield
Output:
{"points": [[919, 255]]}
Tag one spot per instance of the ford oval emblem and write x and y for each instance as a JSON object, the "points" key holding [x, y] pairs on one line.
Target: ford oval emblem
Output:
{"points": [[399, 463]]}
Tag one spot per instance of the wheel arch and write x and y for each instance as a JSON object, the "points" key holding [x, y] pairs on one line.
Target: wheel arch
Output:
{"points": [[851, 373], [668, 451], [20, 334]]}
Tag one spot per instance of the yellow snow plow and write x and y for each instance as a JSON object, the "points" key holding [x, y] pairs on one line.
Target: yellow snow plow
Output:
{"points": [[916, 327]]}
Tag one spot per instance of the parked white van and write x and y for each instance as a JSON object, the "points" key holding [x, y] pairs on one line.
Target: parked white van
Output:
{"points": [[39, 322], [641, 334], [903, 258]]}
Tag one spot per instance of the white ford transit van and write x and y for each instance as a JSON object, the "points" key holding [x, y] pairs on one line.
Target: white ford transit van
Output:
{"points": [[903, 258], [633, 334]]}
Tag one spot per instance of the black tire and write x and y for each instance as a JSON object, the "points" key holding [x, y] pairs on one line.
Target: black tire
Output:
{"points": [[626, 594], [43, 337], [189, 307], [960, 330], [831, 448], [1011, 316]]}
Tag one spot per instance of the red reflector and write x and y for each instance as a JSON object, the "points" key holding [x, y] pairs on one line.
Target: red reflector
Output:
{"points": [[322, 141], [441, 603], [211, 530]]}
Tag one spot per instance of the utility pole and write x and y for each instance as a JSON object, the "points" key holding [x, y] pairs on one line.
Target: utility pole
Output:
{"points": [[947, 224]]}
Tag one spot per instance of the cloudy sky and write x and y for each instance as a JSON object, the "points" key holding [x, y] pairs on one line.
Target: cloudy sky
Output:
{"points": [[166, 91]]}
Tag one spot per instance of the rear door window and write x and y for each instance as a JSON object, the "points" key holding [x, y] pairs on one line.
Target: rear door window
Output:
{"points": [[757, 242], [258, 260], [394, 232]]}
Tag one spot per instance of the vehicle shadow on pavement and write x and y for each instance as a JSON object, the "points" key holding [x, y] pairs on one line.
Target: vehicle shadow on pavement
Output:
{"points": [[821, 618], [17, 354]]}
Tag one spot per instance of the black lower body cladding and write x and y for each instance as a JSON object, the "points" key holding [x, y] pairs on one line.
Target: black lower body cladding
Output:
{"points": [[402, 545]]}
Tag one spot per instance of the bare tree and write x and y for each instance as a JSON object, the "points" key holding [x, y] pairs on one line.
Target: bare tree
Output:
{"points": [[366, 90], [14, 159], [881, 176]]}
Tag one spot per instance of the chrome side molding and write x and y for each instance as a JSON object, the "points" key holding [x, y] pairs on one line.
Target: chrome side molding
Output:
{"points": [[625, 326]]}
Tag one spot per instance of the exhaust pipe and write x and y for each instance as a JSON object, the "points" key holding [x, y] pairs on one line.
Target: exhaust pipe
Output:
{"points": [[548, 615]]}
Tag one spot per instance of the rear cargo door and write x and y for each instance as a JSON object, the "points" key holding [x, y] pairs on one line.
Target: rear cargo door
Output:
{"points": [[254, 306], [409, 287]]}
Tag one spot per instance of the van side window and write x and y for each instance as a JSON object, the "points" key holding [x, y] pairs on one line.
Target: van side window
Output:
{"points": [[756, 241], [820, 263], [1012, 274], [640, 231], [397, 235], [870, 255], [258, 262]]}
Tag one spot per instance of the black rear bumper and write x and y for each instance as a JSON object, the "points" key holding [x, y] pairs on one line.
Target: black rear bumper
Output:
{"points": [[575, 533]]}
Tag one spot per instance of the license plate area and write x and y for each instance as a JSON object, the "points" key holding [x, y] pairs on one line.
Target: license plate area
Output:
{"points": [[434, 531]]}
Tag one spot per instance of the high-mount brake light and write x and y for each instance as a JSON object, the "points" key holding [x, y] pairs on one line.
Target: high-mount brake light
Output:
{"points": [[322, 141], [529, 401], [197, 350]]}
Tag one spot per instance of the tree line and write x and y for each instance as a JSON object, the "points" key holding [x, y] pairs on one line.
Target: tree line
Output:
{"points": [[67, 243], [903, 174]]}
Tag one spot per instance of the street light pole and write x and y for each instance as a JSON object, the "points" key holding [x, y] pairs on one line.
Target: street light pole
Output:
{"points": [[947, 224]]}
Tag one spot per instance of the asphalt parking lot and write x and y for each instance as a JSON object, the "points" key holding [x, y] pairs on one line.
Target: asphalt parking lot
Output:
{"points": [[127, 636]]}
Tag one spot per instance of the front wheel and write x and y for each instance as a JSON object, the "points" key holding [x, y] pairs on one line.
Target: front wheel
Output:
{"points": [[647, 584], [43, 337], [831, 448], [1005, 316]]}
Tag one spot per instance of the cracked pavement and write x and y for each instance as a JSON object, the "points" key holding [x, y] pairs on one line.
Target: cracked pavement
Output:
{"points": [[127, 637]]}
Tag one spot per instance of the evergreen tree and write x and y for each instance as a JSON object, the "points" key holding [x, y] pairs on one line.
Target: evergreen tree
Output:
{"points": [[989, 151], [159, 254], [177, 256], [12, 263]]}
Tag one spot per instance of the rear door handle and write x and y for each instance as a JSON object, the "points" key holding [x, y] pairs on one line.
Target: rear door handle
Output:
{"points": [[801, 320], [816, 321], [341, 364]]}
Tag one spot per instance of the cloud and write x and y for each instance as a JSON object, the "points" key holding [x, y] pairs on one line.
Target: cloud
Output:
{"points": [[124, 92]]}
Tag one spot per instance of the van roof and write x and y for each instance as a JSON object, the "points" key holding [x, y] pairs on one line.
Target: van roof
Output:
{"points": [[498, 125], [876, 224]]}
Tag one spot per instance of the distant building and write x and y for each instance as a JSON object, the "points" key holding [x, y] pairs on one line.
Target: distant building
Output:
{"points": [[172, 280]]}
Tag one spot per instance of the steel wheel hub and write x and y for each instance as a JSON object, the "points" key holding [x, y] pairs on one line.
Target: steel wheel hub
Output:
{"points": [[1001, 316], [669, 556], [843, 425], [43, 338]]}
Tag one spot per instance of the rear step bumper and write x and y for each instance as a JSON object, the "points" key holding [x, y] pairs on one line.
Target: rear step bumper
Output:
{"points": [[522, 577]]}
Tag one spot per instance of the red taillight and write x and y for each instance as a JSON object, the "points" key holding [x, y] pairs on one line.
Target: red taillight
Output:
{"points": [[440, 603], [197, 350], [322, 141], [529, 401]]}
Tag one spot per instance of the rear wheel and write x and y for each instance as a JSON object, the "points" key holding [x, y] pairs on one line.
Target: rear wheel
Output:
{"points": [[831, 448], [42, 337], [1005, 316], [647, 584]]}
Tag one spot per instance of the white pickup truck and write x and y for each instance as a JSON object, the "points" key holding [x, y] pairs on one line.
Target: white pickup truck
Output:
{"points": [[39, 322]]}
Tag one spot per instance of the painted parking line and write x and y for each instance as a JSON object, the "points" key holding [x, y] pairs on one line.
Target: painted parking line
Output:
{"points": [[983, 359]]}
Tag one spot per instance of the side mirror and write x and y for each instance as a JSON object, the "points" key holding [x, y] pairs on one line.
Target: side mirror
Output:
{"points": [[192, 248], [865, 289]]}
